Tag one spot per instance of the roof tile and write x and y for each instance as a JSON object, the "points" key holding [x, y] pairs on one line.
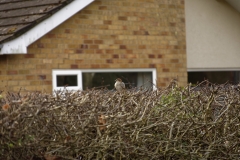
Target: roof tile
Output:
{"points": [[19, 20], [18, 16], [26, 11], [27, 4]]}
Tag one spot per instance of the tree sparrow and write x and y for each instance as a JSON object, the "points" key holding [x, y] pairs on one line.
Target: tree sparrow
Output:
{"points": [[119, 85]]}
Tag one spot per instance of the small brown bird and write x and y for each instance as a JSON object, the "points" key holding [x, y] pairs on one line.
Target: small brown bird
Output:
{"points": [[119, 85]]}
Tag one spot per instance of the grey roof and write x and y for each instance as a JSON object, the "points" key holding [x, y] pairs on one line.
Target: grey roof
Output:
{"points": [[18, 16]]}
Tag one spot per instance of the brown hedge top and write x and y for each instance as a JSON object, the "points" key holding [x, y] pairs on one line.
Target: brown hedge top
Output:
{"points": [[200, 122]]}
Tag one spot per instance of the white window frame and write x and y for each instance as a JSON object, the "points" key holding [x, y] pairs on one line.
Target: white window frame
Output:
{"points": [[67, 72], [79, 72], [212, 69]]}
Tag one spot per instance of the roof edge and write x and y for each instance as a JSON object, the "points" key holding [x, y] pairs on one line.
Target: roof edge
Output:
{"points": [[19, 45]]}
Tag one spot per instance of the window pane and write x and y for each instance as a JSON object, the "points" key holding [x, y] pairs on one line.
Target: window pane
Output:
{"points": [[67, 80], [217, 77], [107, 79]]}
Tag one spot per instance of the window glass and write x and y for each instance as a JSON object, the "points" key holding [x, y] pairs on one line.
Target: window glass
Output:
{"points": [[107, 79], [67, 80], [76, 79], [218, 77]]}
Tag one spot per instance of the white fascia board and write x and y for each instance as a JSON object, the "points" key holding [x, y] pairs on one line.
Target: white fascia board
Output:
{"points": [[19, 45]]}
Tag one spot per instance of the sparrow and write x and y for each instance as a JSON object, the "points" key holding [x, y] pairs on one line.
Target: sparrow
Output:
{"points": [[173, 84], [119, 85]]}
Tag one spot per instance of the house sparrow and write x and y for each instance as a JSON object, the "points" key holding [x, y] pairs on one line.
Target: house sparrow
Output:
{"points": [[119, 85], [173, 84]]}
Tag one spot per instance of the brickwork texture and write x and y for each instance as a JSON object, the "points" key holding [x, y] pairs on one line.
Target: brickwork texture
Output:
{"points": [[106, 34]]}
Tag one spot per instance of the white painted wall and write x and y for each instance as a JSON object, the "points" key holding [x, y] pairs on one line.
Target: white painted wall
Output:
{"points": [[213, 35]]}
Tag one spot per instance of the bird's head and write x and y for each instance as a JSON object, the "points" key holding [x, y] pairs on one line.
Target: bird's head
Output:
{"points": [[118, 80]]}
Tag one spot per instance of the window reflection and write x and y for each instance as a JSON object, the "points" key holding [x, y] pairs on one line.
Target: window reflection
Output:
{"points": [[107, 79], [66, 80], [218, 77]]}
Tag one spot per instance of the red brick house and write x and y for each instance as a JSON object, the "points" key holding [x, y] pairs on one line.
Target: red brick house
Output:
{"points": [[45, 45]]}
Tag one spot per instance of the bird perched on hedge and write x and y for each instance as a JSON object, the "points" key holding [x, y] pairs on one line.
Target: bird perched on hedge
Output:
{"points": [[119, 85]]}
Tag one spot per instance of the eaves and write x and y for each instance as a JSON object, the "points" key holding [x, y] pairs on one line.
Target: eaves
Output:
{"points": [[19, 45]]}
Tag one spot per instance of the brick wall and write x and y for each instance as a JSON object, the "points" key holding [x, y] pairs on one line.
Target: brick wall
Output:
{"points": [[106, 34]]}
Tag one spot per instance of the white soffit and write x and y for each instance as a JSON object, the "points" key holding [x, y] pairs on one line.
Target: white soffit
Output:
{"points": [[19, 45]]}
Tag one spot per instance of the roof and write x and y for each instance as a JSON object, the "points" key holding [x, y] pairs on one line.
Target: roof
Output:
{"points": [[17, 16], [22, 22]]}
